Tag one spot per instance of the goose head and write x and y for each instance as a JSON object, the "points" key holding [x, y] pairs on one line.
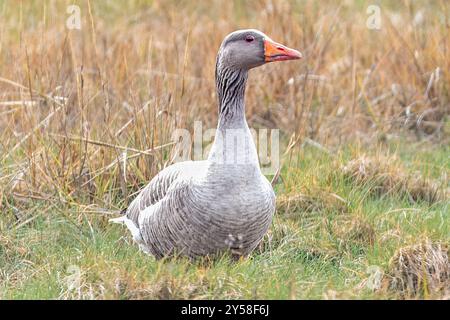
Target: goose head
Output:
{"points": [[250, 48]]}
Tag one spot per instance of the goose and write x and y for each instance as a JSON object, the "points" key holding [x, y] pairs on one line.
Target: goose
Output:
{"points": [[223, 203]]}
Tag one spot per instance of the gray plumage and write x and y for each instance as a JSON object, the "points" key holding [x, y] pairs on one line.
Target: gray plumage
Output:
{"points": [[198, 208]]}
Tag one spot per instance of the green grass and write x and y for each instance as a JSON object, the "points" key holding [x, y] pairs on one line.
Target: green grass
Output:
{"points": [[312, 254]]}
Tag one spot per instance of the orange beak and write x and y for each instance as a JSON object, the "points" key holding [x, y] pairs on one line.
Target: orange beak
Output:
{"points": [[274, 51]]}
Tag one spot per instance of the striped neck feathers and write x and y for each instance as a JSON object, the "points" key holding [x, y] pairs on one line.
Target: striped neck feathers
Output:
{"points": [[233, 144], [230, 86]]}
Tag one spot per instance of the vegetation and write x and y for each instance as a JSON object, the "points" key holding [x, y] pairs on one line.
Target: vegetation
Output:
{"points": [[86, 118]]}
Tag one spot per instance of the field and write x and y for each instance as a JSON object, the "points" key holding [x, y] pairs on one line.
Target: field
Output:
{"points": [[87, 114]]}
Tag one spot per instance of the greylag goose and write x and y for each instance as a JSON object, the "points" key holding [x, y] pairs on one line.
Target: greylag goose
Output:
{"points": [[224, 203]]}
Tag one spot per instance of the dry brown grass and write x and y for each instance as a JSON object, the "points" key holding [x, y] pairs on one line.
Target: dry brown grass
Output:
{"points": [[421, 270], [386, 175], [72, 100], [163, 289], [355, 231], [319, 201]]}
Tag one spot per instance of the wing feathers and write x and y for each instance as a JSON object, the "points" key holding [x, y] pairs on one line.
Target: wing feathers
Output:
{"points": [[156, 189]]}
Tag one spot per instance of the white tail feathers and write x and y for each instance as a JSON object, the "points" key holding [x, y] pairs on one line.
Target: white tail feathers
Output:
{"points": [[135, 232], [119, 220]]}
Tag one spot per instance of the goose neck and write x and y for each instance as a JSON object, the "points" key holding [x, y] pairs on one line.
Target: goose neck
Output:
{"points": [[230, 86], [233, 145]]}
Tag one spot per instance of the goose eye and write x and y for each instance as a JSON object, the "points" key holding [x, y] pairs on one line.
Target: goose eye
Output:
{"points": [[249, 38]]}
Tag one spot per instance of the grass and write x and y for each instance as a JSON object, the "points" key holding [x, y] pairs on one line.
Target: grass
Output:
{"points": [[319, 253], [375, 102]]}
